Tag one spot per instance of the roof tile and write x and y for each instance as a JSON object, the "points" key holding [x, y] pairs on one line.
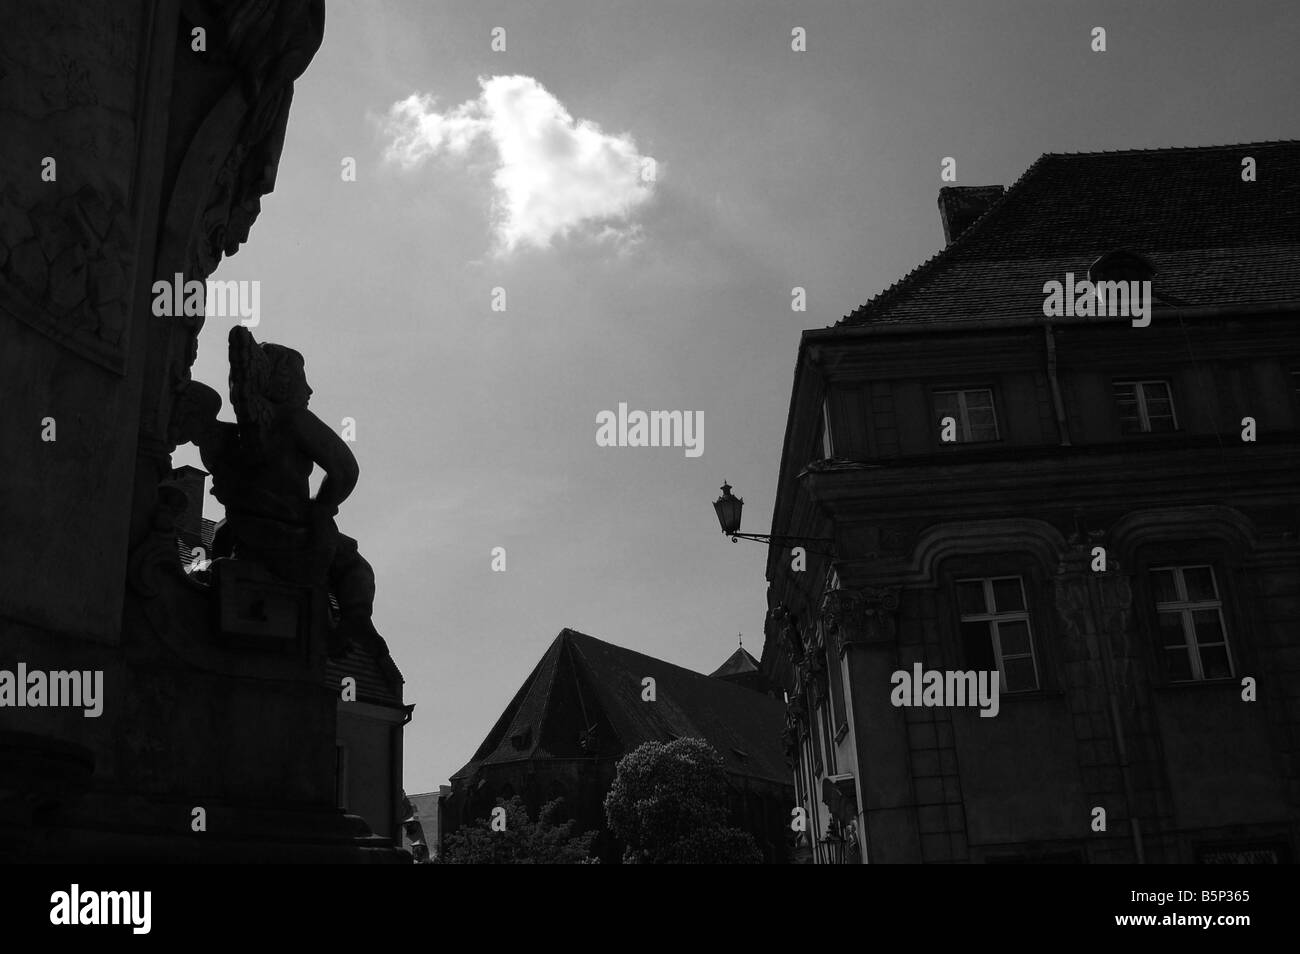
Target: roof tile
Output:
{"points": [[1213, 238]]}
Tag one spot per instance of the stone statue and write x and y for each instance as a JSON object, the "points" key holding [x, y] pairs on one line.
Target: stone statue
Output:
{"points": [[260, 468]]}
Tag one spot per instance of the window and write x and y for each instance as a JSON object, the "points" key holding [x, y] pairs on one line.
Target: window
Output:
{"points": [[827, 446], [815, 740], [995, 631], [1190, 626], [829, 733], [835, 685], [1145, 407], [341, 774], [835, 668], [972, 410]]}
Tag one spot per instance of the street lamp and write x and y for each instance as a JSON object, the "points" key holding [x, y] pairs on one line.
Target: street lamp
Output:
{"points": [[840, 843], [728, 508]]}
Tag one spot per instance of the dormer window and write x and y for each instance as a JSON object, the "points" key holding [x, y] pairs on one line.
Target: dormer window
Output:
{"points": [[1145, 407], [1121, 265], [966, 416]]}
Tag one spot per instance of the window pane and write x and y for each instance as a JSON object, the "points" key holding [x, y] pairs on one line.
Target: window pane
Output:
{"points": [[1208, 628], [1170, 629], [982, 426], [1180, 664], [826, 431], [1160, 411], [1200, 583], [1156, 392], [1126, 399], [1163, 585], [1014, 636], [1214, 662], [1007, 595], [1160, 424], [1020, 674], [976, 400], [970, 598], [945, 404], [1159, 406], [977, 646]]}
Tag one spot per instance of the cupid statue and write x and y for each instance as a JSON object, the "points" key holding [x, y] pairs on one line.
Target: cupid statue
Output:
{"points": [[260, 468]]}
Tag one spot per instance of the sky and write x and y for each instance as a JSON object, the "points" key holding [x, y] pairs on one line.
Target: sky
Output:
{"points": [[647, 183]]}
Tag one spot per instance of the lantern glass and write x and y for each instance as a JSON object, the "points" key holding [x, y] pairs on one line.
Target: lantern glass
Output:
{"points": [[728, 509]]}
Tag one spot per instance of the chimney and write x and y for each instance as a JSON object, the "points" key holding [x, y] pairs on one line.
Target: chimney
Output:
{"points": [[191, 480], [960, 206]]}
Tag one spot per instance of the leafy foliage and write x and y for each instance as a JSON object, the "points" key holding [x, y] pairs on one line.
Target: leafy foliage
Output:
{"points": [[524, 842], [668, 805]]}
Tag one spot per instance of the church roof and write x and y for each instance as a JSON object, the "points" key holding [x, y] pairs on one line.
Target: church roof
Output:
{"points": [[584, 700], [1213, 238], [738, 662]]}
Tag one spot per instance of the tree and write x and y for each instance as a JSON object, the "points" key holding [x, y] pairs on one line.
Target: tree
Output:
{"points": [[668, 805], [522, 842]]}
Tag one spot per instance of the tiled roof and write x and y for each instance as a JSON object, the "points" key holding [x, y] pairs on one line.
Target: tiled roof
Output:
{"points": [[1213, 239], [738, 662], [583, 683], [378, 679]]}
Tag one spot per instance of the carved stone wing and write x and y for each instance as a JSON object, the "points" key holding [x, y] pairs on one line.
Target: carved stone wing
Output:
{"points": [[250, 378]]}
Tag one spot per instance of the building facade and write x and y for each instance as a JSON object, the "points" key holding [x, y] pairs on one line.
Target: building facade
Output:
{"points": [[369, 741], [1100, 509]]}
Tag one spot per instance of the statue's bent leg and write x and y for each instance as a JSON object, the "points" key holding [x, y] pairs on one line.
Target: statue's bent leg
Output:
{"points": [[353, 581]]}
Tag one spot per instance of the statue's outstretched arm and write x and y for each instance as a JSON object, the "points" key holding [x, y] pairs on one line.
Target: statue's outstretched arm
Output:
{"points": [[331, 454]]}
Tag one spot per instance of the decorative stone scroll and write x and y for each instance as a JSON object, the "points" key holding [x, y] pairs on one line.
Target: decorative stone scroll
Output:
{"points": [[1075, 605], [861, 616]]}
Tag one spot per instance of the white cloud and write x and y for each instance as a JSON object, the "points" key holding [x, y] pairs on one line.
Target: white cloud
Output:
{"points": [[554, 176]]}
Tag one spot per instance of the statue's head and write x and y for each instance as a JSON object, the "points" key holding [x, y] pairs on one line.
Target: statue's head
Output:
{"points": [[287, 383], [265, 373]]}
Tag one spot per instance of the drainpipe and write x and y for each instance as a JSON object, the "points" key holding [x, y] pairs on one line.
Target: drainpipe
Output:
{"points": [[1049, 337]]}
